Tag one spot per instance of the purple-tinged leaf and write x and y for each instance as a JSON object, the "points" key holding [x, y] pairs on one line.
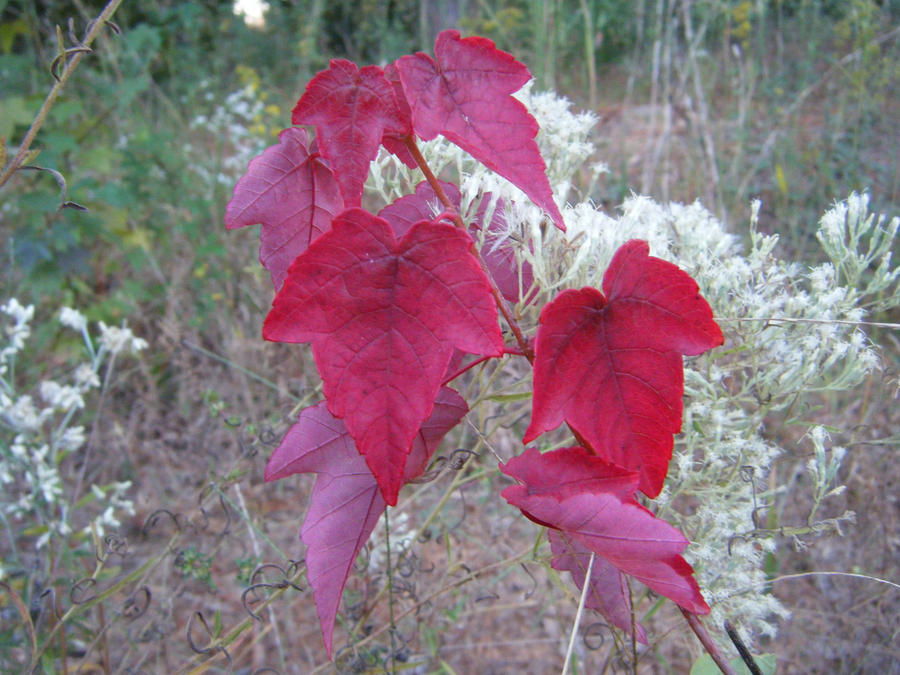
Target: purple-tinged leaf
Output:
{"points": [[346, 503], [292, 193]]}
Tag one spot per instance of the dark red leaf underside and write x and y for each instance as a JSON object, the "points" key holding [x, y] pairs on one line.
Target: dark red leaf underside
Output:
{"points": [[611, 366], [384, 316], [352, 110], [464, 94], [292, 194], [609, 523], [346, 503]]}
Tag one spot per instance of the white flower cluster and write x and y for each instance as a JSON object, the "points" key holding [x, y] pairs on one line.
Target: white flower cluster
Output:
{"points": [[232, 119], [790, 331], [35, 437]]}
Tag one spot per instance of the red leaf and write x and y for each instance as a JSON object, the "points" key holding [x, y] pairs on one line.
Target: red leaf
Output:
{"points": [[383, 317], [568, 471], [352, 110], [345, 504], [611, 366], [292, 193], [464, 95], [425, 205], [608, 522], [394, 142], [608, 592]]}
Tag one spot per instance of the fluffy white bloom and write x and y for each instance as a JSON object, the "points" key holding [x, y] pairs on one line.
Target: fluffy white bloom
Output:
{"points": [[86, 377], [115, 339], [73, 319], [62, 397], [21, 314], [18, 332], [72, 439], [22, 415]]}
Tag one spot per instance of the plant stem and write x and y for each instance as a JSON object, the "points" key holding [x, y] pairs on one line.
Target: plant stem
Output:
{"points": [[581, 601], [708, 643], [94, 29], [527, 350], [526, 347]]}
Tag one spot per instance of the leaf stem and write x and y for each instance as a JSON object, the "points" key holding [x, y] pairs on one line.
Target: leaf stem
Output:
{"points": [[523, 342], [708, 643], [77, 54], [502, 305]]}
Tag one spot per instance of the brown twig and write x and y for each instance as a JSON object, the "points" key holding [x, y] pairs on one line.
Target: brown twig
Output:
{"points": [[708, 643], [77, 53]]}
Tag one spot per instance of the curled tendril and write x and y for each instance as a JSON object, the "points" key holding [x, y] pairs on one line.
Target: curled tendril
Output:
{"points": [[226, 528], [285, 574], [112, 545], [83, 591], [268, 437], [594, 636], [406, 565], [154, 518], [455, 462], [283, 582], [136, 604], [210, 648], [459, 457]]}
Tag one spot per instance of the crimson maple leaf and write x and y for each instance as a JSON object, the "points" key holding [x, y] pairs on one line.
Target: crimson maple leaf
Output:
{"points": [[292, 193], [384, 316], [424, 204], [464, 94], [611, 365], [594, 507], [352, 109], [346, 503]]}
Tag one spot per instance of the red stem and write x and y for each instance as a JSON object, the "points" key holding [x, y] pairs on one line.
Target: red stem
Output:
{"points": [[506, 351], [708, 644], [527, 351], [524, 345]]}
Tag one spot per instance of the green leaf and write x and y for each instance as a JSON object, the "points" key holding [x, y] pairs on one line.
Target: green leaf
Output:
{"points": [[706, 666], [13, 112]]}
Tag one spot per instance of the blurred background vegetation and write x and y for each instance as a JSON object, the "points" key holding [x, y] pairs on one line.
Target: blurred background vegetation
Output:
{"points": [[791, 101]]}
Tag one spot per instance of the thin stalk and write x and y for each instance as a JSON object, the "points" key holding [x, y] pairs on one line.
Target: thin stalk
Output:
{"points": [[526, 348], [84, 48], [708, 643], [581, 601], [390, 586]]}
